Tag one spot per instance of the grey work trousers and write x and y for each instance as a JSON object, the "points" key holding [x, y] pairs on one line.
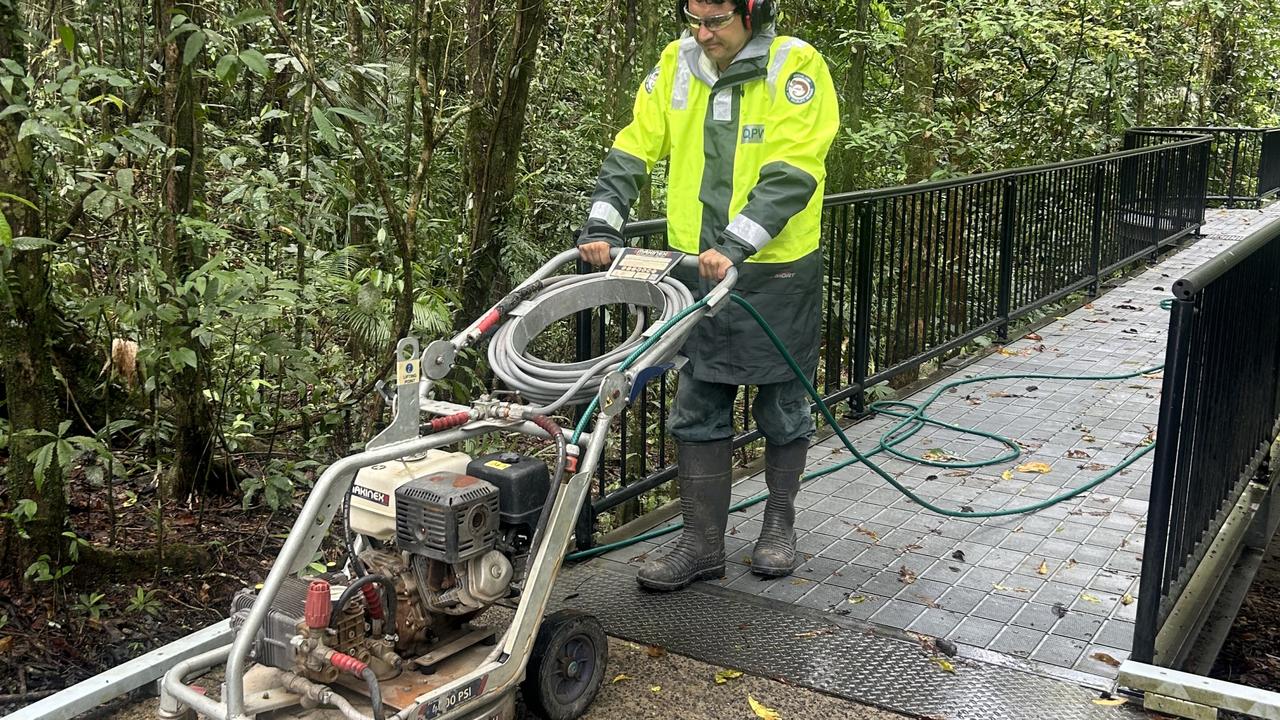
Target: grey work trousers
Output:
{"points": [[703, 411]]}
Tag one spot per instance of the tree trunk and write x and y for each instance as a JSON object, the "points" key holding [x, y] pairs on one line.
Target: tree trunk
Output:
{"points": [[855, 89], [358, 225], [917, 63], [917, 60], [26, 327], [1222, 77], [500, 94], [193, 437]]}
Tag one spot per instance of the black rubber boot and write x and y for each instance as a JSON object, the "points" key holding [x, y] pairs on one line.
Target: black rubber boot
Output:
{"points": [[775, 553], [704, 476]]}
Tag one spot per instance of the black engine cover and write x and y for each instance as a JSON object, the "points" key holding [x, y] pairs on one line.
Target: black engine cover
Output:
{"points": [[446, 516], [522, 483]]}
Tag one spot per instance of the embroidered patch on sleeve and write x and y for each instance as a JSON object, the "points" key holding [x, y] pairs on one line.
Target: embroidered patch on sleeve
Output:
{"points": [[651, 80], [799, 88]]}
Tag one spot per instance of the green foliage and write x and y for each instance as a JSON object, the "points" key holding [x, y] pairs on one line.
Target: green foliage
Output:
{"points": [[91, 605], [144, 602], [45, 569]]}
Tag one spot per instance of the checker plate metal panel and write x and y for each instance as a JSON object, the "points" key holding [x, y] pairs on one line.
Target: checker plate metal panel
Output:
{"points": [[735, 630]]}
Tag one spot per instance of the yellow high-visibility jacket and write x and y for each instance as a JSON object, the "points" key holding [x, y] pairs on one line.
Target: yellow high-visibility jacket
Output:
{"points": [[747, 152]]}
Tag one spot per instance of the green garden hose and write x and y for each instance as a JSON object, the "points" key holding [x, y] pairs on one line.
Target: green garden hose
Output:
{"points": [[912, 419]]}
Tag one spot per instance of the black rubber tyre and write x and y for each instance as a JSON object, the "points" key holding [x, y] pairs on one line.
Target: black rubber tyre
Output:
{"points": [[567, 665]]}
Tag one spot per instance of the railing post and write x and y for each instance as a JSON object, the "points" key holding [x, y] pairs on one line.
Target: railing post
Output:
{"points": [[1157, 200], [862, 311], [1235, 162], [1268, 163], [585, 533], [1008, 217], [1151, 585], [1095, 249]]}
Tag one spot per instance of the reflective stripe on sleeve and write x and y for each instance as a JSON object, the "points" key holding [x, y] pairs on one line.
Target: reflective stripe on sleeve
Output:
{"points": [[680, 85], [601, 210], [780, 59], [750, 231]]}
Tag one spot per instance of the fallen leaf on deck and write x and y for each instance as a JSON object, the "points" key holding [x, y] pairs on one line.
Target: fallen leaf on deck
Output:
{"points": [[1043, 569], [938, 455], [869, 533], [1032, 336], [1109, 702], [1006, 475], [1127, 599], [1060, 610], [959, 473], [906, 575], [958, 555], [944, 663], [857, 599], [998, 586], [1077, 454], [1034, 467], [762, 711], [1090, 598], [655, 688], [620, 677], [1105, 658], [655, 651], [725, 676]]}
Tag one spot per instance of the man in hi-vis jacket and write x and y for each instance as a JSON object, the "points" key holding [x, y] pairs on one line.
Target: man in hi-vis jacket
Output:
{"points": [[746, 117]]}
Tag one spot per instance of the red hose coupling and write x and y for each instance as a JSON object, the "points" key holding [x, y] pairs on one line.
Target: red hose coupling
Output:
{"points": [[372, 601], [488, 320], [347, 664], [318, 606], [450, 421]]}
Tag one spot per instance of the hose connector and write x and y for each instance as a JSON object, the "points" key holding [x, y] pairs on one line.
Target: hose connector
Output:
{"points": [[572, 452]]}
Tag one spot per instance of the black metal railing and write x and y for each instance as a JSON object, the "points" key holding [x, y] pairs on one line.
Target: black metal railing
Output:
{"points": [[1219, 413], [1244, 164], [916, 272]]}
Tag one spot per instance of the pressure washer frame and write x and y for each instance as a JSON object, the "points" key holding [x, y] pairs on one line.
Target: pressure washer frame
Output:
{"points": [[498, 675]]}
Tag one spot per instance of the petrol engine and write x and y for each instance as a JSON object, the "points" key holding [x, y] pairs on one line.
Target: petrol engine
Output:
{"points": [[435, 540]]}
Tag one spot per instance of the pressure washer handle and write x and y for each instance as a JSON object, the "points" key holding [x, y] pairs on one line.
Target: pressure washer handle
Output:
{"points": [[690, 262]]}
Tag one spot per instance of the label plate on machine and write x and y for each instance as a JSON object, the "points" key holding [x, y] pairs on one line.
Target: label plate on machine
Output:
{"points": [[644, 265]]}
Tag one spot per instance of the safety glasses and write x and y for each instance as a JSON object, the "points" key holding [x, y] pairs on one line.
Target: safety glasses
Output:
{"points": [[712, 23]]}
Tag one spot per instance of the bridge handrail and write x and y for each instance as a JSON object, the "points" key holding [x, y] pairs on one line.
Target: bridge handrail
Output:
{"points": [[916, 272]]}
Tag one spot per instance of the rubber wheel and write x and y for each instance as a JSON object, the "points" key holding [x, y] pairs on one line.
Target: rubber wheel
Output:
{"points": [[567, 665]]}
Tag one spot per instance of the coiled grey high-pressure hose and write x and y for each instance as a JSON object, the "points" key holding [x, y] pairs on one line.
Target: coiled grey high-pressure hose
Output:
{"points": [[555, 384]]}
